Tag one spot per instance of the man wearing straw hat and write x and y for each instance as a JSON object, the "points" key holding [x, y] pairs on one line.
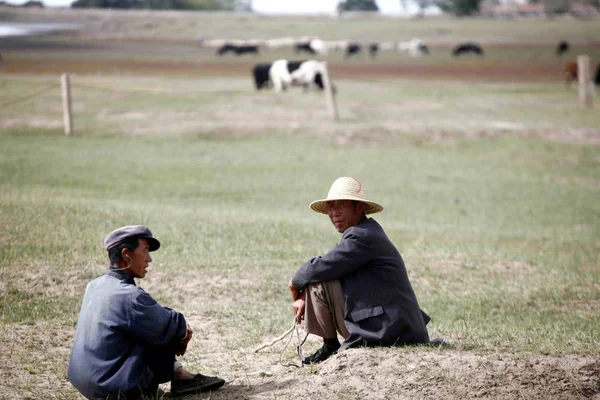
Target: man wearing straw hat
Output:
{"points": [[360, 288]]}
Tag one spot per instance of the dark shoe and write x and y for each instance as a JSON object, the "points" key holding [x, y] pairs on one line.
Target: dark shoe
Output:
{"points": [[200, 383], [320, 355]]}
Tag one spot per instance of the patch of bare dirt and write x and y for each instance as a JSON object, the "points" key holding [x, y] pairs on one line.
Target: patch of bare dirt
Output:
{"points": [[33, 361], [384, 373]]}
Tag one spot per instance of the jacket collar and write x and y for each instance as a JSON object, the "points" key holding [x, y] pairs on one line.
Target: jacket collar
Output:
{"points": [[120, 274]]}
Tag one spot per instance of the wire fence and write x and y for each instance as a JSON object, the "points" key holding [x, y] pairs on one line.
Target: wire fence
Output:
{"points": [[29, 96], [98, 88]]}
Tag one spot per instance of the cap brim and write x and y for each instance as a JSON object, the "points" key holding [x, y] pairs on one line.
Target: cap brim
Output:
{"points": [[153, 243], [371, 207]]}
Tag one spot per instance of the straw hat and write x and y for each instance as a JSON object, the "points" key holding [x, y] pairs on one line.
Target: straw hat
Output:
{"points": [[346, 188]]}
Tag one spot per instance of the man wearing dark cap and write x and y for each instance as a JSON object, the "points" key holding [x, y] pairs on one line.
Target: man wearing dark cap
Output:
{"points": [[126, 343]]}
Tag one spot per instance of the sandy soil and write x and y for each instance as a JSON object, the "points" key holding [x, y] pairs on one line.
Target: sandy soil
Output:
{"points": [[378, 373]]}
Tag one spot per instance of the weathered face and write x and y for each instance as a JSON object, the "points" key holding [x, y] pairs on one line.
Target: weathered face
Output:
{"points": [[344, 213], [138, 260]]}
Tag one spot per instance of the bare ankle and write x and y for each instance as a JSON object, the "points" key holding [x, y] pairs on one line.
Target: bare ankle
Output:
{"points": [[182, 373]]}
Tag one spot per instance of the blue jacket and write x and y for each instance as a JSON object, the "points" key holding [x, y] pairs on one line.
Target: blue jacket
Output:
{"points": [[117, 324], [380, 306]]}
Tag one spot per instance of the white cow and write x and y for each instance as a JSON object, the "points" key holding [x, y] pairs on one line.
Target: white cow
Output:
{"points": [[415, 47], [318, 46]]}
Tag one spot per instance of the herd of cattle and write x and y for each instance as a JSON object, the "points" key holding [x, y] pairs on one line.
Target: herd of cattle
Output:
{"points": [[317, 47]]}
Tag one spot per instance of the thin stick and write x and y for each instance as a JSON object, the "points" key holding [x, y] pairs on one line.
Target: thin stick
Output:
{"points": [[259, 348]]}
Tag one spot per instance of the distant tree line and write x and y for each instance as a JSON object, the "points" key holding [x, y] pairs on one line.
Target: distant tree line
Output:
{"points": [[357, 5], [456, 7], [564, 6], [215, 5]]}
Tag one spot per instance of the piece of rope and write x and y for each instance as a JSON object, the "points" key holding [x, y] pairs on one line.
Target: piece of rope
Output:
{"points": [[298, 348], [283, 336], [271, 343]]}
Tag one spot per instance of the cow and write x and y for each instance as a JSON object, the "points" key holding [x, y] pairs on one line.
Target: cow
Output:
{"points": [[238, 49], [312, 47], [465, 48], [562, 48], [282, 74], [415, 47], [319, 46], [352, 48], [570, 73], [373, 49], [304, 47]]}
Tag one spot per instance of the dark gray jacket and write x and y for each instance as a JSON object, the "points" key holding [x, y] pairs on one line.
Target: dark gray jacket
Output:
{"points": [[118, 326], [381, 308]]}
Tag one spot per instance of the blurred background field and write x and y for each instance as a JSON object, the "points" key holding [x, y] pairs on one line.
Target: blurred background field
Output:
{"points": [[490, 185]]}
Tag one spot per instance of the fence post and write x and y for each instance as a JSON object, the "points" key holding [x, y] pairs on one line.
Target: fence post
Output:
{"points": [[66, 101], [585, 89], [329, 94]]}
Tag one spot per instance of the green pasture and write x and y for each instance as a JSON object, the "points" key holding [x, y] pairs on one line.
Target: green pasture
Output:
{"points": [[490, 192]]}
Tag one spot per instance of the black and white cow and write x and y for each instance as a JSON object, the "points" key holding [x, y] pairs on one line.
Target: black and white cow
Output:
{"points": [[238, 49], [304, 47], [312, 47], [466, 48], [282, 74]]}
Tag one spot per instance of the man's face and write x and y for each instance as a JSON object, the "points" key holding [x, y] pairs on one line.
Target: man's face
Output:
{"points": [[138, 259], [344, 213]]}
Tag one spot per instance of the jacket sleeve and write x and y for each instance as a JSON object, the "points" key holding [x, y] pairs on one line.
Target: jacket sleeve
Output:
{"points": [[153, 323], [346, 257]]}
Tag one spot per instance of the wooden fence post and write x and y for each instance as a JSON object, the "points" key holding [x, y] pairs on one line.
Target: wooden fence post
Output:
{"points": [[329, 93], [66, 101], [585, 88]]}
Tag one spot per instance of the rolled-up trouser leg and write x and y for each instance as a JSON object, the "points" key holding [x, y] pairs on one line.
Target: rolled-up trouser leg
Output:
{"points": [[324, 313]]}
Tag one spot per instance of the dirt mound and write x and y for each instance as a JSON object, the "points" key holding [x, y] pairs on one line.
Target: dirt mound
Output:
{"points": [[417, 373]]}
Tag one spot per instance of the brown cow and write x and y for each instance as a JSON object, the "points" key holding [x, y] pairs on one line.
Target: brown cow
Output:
{"points": [[570, 72], [571, 75]]}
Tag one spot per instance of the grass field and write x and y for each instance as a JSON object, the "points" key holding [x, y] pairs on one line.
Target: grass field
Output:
{"points": [[490, 192]]}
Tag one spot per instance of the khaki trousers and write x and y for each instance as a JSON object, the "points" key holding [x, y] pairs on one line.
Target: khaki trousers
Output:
{"points": [[324, 313]]}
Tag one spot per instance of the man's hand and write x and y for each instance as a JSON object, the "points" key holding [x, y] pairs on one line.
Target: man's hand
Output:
{"points": [[182, 345], [299, 302], [299, 306]]}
